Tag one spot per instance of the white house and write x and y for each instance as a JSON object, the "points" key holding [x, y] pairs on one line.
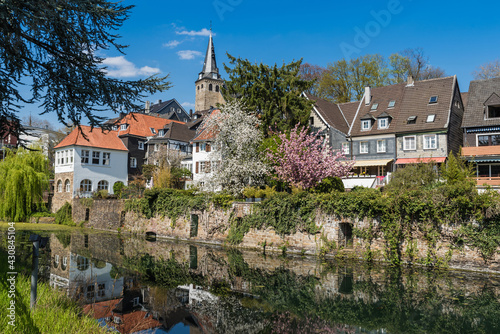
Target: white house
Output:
{"points": [[88, 161]]}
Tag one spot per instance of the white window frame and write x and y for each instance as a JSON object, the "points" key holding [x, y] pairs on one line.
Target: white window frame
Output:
{"points": [[86, 187], [381, 146], [203, 146], [67, 186], [203, 166], [103, 185], [430, 145], [59, 186], [345, 148], [383, 119], [85, 156], [133, 162], [106, 158], [430, 118], [153, 130], [363, 144], [405, 143], [96, 155], [141, 145], [391, 104], [123, 127], [365, 124]]}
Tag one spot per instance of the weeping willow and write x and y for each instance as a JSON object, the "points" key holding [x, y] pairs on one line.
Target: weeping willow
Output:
{"points": [[23, 179]]}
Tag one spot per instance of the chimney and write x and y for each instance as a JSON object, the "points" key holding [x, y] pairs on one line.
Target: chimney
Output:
{"points": [[410, 81], [148, 106], [159, 101], [190, 113], [368, 95]]}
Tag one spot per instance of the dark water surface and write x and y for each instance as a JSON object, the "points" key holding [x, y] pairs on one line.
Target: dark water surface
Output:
{"points": [[133, 285]]}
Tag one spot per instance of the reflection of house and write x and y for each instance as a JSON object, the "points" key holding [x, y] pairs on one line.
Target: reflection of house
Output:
{"points": [[88, 161], [481, 130]]}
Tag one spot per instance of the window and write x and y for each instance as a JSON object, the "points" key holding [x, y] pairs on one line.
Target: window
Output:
{"points": [[59, 186], [430, 118], [123, 127], [488, 140], [133, 162], [374, 106], [141, 145], [86, 186], [203, 146], [409, 143], [345, 148], [71, 156], [411, 120], [114, 127], [160, 133], [217, 88], [56, 261], [106, 157], [66, 157], [96, 157], [157, 147], [311, 121], [430, 142], [391, 104], [381, 146], [363, 147], [135, 301], [153, 130], [210, 87], [90, 291], [493, 111], [366, 124], [67, 186], [103, 185], [202, 167], [433, 99], [383, 123], [101, 290]]}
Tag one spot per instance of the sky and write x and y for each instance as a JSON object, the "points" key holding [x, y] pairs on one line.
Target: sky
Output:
{"points": [[171, 37]]}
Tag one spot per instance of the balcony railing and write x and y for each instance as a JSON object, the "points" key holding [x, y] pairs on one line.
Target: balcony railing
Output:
{"points": [[488, 180]]}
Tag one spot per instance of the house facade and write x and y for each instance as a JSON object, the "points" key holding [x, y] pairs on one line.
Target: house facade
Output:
{"points": [[481, 130], [170, 109], [202, 163], [86, 162]]}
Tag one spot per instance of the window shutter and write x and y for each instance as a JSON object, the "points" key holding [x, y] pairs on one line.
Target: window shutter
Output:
{"points": [[197, 166], [208, 147], [197, 150]]}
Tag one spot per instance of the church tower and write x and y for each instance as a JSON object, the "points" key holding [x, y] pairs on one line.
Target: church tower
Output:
{"points": [[209, 83]]}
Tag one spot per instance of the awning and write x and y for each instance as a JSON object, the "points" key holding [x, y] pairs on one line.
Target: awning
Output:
{"points": [[419, 160], [366, 163]]}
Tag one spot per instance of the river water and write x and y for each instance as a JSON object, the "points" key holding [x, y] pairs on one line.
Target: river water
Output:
{"points": [[133, 285]]}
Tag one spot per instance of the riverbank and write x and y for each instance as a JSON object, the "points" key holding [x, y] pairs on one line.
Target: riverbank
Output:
{"points": [[54, 313]]}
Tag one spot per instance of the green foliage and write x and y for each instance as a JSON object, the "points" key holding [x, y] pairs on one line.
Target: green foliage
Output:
{"points": [[63, 215], [117, 188], [24, 176], [272, 91], [57, 60], [329, 184], [101, 194], [222, 200], [413, 176], [42, 214]]}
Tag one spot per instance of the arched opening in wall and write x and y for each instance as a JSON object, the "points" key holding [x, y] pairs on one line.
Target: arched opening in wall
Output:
{"points": [[193, 257], [56, 261], [345, 235], [59, 186], [67, 186], [87, 214], [86, 240], [82, 263], [64, 264], [346, 279], [216, 88], [201, 86], [210, 87], [194, 226], [86, 186], [198, 87]]}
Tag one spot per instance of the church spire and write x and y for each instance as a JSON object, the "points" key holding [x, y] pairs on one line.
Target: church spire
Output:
{"points": [[210, 69]]}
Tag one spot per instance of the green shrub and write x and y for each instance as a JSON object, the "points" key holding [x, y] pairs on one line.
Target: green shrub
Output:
{"points": [[64, 215], [329, 184], [117, 188], [222, 200]]}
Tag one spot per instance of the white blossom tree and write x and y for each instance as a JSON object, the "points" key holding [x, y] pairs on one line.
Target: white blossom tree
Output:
{"points": [[236, 161]]}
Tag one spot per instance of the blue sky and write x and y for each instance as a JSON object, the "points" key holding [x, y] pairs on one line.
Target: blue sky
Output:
{"points": [[170, 37]]}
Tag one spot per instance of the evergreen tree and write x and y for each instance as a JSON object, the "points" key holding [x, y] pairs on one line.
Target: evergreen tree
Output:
{"points": [[24, 176], [273, 92], [53, 46]]}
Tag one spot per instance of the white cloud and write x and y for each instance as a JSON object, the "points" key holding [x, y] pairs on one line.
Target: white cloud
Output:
{"points": [[188, 54], [119, 67], [187, 105], [202, 32], [172, 44]]}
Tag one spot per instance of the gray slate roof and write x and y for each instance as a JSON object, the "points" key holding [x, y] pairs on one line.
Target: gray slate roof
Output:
{"points": [[330, 113], [480, 91]]}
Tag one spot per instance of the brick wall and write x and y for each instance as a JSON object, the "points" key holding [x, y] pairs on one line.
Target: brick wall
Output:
{"points": [[60, 198]]}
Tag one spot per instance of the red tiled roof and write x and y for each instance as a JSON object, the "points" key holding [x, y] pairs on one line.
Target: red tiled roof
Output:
{"points": [[419, 160], [140, 124], [94, 138], [480, 151], [204, 133]]}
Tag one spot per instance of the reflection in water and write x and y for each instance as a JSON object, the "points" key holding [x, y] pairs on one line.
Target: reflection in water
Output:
{"points": [[131, 285]]}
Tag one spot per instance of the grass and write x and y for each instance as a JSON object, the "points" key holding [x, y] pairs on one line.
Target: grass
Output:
{"points": [[54, 313]]}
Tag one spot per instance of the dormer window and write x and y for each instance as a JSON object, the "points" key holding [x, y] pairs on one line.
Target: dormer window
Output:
{"points": [[430, 118], [493, 111], [366, 124], [374, 106], [153, 130], [114, 127], [391, 104], [383, 123], [123, 127], [433, 99], [161, 133], [411, 120]]}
